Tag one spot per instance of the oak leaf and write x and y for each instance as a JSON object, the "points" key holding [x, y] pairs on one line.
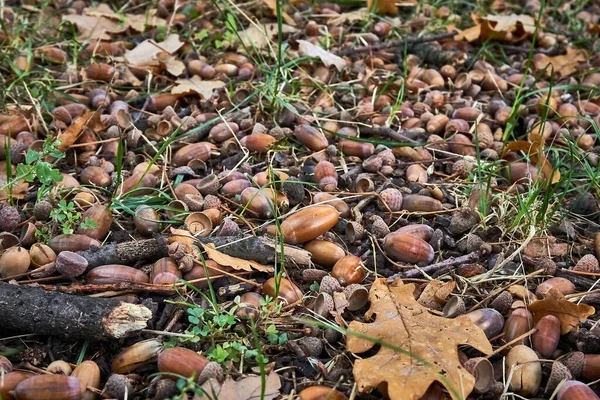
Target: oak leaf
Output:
{"points": [[234, 262], [569, 314], [68, 137], [417, 348], [258, 36], [249, 388], [383, 7], [196, 85], [157, 55], [308, 49], [563, 64], [504, 28]]}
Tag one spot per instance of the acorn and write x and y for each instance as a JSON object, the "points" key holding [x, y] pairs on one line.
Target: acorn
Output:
{"points": [[349, 270], [5, 365], [255, 200], [146, 220], [14, 261], [591, 367], [165, 271], [102, 217], [421, 231], [223, 131], [135, 356], [308, 223], [59, 367], [88, 373], [545, 340], [9, 382], [587, 263], [527, 374], [332, 200], [72, 242], [263, 178], [235, 187], [462, 145], [288, 291], [390, 200], [519, 322], [416, 173], [311, 137], [488, 320], [49, 387], [115, 273], [326, 176], [249, 306], [181, 361], [407, 248], [258, 142], [321, 393], [563, 285], [195, 151], [96, 176], [356, 149], [417, 202], [324, 252], [70, 264], [574, 390]]}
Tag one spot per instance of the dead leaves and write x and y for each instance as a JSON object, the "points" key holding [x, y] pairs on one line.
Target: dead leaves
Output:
{"points": [[246, 389], [234, 262], [428, 343], [504, 28], [151, 55], [569, 314], [100, 22], [195, 84], [563, 65], [308, 49], [68, 137], [259, 36]]}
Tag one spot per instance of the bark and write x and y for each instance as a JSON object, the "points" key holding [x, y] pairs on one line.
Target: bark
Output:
{"points": [[33, 310], [126, 253]]}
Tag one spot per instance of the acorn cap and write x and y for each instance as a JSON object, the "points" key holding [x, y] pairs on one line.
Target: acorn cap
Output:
{"points": [[379, 228], [502, 303], [312, 346], [118, 386], [574, 362], [329, 285], [558, 373], [454, 307], [357, 296], [294, 190], [211, 201], [354, 231], [228, 228], [9, 218], [42, 209], [587, 263], [323, 304], [165, 389], [313, 275], [212, 370]]}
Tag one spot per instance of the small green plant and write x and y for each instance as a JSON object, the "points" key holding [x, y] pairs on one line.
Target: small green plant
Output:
{"points": [[66, 216], [36, 166], [230, 34]]}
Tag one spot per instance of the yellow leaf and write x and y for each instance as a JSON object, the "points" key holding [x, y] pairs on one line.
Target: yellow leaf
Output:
{"points": [[383, 7]]}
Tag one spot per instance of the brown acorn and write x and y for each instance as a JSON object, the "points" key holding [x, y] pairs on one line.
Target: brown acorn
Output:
{"points": [[100, 72], [146, 220], [235, 187], [326, 176], [223, 131], [258, 142], [527, 378], [70, 264], [102, 217], [519, 322], [9, 382], [250, 303], [574, 390], [14, 261], [469, 114], [563, 285], [545, 339], [420, 231], [165, 271], [195, 151], [263, 178], [591, 367], [356, 149], [255, 200], [97, 176], [181, 361], [311, 137], [49, 387], [321, 393], [488, 320], [332, 200], [135, 356], [309, 223], [406, 248], [72, 242], [324, 252], [115, 273], [461, 144], [417, 202], [288, 291], [88, 373], [348, 270]]}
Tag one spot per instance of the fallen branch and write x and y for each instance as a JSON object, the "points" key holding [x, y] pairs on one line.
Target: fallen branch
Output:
{"points": [[399, 43], [33, 310], [450, 263]]}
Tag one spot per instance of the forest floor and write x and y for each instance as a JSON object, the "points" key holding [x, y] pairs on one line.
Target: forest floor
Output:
{"points": [[277, 200]]}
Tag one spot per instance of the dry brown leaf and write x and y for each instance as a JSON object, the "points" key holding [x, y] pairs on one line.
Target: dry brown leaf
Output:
{"points": [[246, 389], [18, 190], [545, 247], [89, 119], [563, 65], [258, 37], [308, 49], [234, 262], [151, 55], [272, 4], [435, 294], [137, 22], [430, 345], [94, 27], [569, 314], [181, 236], [195, 84], [383, 7], [504, 28], [356, 15]]}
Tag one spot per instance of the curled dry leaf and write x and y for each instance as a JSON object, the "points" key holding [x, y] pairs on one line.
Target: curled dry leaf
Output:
{"points": [[258, 36], [195, 84], [429, 345], [157, 55], [563, 65], [435, 294], [504, 28], [357, 15], [569, 314], [89, 119], [234, 262], [329, 59], [245, 389]]}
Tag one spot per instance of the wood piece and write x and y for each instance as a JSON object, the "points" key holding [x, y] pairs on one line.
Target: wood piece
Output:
{"points": [[126, 253], [430, 269], [33, 310]]}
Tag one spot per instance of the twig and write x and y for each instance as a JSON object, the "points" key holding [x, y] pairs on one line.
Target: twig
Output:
{"points": [[451, 262], [399, 43]]}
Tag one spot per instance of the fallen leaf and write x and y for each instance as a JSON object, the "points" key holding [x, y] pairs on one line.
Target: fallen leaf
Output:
{"points": [[246, 389], [18, 190], [569, 314], [195, 84], [308, 49], [181, 236], [94, 27], [151, 54], [563, 65], [272, 4], [356, 15], [545, 247], [258, 37], [68, 137], [435, 294], [504, 28], [383, 7], [429, 343], [234, 262]]}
